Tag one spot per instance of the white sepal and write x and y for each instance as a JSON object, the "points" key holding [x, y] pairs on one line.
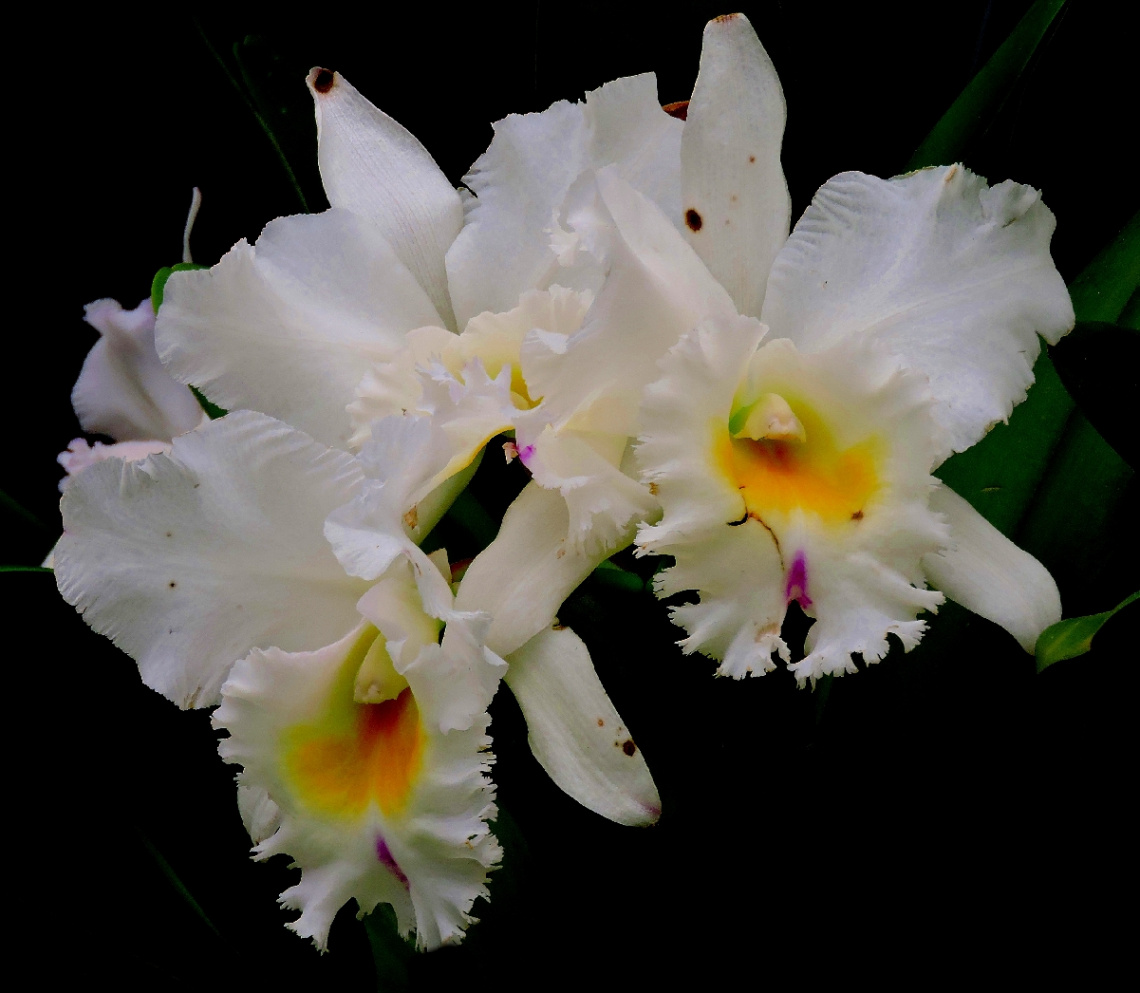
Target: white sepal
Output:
{"points": [[987, 573], [576, 733], [377, 169]]}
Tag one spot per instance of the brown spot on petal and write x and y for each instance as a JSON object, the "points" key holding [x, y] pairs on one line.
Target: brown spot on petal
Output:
{"points": [[857, 516], [693, 220], [601, 723], [629, 747], [653, 489], [323, 80], [951, 173], [678, 109], [751, 158], [172, 584], [412, 518], [725, 18]]}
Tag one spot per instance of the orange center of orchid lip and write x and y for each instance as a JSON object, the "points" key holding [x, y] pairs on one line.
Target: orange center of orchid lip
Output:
{"points": [[801, 469], [357, 753]]}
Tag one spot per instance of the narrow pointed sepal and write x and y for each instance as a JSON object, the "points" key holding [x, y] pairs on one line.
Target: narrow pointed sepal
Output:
{"points": [[987, 573], [575, 731]]}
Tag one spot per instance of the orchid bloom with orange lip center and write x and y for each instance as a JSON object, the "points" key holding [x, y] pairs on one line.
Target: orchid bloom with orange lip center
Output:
{"points": [[792, 433]]}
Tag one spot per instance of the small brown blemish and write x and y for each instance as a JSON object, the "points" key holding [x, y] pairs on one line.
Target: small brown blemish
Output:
{"points": [[412, 518], [653, 489], [693, 220], [629, 747], [678, 109], [733, 198], [170, 534], [172, 584], [196, 485], [323, 80], [725, 18], [951, 173], [751, 158], [560, 553], [857, 516], [601, 723]]}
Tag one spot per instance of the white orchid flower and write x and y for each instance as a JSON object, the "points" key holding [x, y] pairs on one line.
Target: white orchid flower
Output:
{"points": [[362, 733], [124, 392], [906, 315], [301, 325]]}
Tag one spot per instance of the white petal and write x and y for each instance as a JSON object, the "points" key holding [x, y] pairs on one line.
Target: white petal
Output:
{"points": [[290, 325], [421, 845], [80, 455], [987, 573], [524, 575], [375, 168], [518, 182], [189, 560], [123, 390], [949, 274], [656, 290], [576, 733], [734, 197], [522, 181]]}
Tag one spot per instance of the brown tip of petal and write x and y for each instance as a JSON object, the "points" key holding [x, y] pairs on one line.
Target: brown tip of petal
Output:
{"points": [[725, 18], [322, 80], [678, 109]]}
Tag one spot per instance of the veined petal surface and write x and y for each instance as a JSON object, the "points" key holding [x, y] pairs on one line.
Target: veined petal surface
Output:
{"points": [[378, 170], [734, 197], [951, 275], [188, 561], [290, 325]]}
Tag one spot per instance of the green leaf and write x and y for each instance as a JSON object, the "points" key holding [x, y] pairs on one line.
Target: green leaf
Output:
{"points": [[15, 507], [176, 882], [391, 953], [980, 101], [158, 284], [249, 98], [1099, 365], [1108, 284], [1069, 638], [24, 568]]}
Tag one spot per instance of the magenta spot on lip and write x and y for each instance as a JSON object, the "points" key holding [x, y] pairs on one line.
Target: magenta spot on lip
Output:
{"points": [[384, 854], [796, 587], [525, 453]]}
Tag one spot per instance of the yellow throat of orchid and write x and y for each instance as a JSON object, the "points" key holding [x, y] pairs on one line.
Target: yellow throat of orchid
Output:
{"points": [[780, 454], [359, 753]]}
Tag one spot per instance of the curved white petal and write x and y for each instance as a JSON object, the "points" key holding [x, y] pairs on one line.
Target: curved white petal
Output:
{"points": [[375, 802], [576, 733], [987, 573], [524, 575], [523, 179], [290, 325], [189, 560], [123, 390], [947, 273], [80, 455], [734, 198], [375, 168]]}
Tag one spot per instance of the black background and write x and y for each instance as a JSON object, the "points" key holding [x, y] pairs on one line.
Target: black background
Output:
{"points": [[931, 816]]}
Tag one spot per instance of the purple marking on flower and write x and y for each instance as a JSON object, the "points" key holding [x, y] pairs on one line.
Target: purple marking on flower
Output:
{"points": [[797, 585], [384, 854], [525, 453]]}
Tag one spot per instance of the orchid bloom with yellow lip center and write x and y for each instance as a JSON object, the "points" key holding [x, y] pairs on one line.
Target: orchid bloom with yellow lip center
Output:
{"points": [[905, 315]]}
